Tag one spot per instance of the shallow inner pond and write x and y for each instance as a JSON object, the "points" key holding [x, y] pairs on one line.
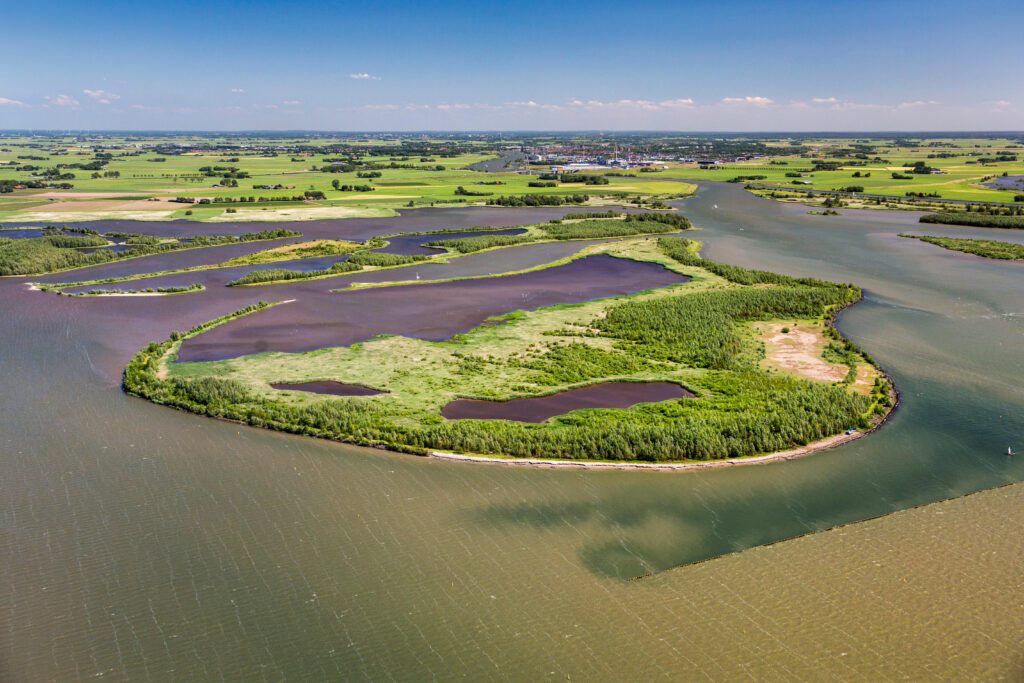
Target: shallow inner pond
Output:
{"points": [[328, 387], [541, 408]]}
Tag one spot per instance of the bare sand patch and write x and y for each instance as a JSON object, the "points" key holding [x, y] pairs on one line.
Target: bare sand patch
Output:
{"points": [[865, 381], [107, 205], [798, 351], [80, 215], [86, 195], [303, 214]]}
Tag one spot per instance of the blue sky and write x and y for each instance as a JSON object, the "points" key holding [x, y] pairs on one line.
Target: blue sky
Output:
{"points": [[744, 66]]}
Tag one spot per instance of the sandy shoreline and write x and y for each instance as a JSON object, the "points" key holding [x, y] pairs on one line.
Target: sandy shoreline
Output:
{"points": [[822, 445]]}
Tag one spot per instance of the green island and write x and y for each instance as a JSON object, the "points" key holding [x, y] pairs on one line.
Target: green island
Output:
{"points": [[994, 249], [767, 369], [976, 220], [58, 251]]}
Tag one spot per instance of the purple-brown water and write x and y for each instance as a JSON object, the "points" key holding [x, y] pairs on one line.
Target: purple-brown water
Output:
{"points": [[434, 312], [539, 409], [328, 387]]}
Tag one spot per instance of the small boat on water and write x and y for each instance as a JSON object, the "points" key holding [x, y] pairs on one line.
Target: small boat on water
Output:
{"points": [[1009, 450]]}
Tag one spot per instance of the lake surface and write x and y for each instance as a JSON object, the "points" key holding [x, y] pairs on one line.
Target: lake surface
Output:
{"points": [[142, 543]]}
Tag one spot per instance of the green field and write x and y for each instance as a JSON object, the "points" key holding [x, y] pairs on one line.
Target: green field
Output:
{"points": [[143, 186]]}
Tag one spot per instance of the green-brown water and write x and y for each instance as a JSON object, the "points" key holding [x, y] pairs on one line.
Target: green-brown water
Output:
{"points": [[142, 543]]}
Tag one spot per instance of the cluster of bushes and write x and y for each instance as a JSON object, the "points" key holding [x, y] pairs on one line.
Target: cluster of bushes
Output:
{"points": [[745, 178], [383, 259], [467, 245], [538, 200], [575, 215], [585, 178], [700, 329], [460, 190]]}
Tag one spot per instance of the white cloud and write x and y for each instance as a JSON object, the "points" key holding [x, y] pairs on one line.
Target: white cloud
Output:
{"points": [[749, 99], [677, 103], [101, 96], [364, 77], [291, 103], [915, 103], [62, 101], [825, 100], [7, 102], [238, 90], [628, 104]]}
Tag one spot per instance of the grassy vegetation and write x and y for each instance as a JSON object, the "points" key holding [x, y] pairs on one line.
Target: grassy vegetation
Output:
{"points": [[258, 277], [299, 250], [169, 290], [975, 220], [1007, 251], [697, 334]]}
